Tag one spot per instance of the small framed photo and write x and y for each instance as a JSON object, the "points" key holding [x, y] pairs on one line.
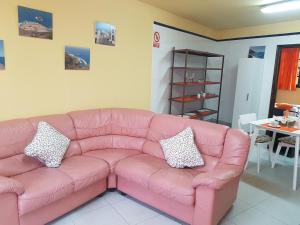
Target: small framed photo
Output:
{"points": [[77, 58], [105, 34], [35, 23], [2, 57], [257, 52]]}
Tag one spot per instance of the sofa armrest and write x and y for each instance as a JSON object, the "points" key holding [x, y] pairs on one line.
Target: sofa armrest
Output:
{"points": [[9, 185], [216, 178]]}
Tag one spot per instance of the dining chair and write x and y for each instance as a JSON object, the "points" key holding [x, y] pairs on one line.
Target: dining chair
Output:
{"points": [[287, 142], [261, 141]]}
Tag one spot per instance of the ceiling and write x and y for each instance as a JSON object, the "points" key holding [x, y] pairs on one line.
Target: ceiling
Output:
{"points": [[224, 14]]}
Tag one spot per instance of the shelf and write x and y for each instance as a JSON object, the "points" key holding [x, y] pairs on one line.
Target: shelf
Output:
{"points": [[195, 83], [199, 53], [193, 98], [193, 68], [200, 115], [183, 92]]}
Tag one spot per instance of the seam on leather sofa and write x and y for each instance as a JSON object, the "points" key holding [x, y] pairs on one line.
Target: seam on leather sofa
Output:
{"points": [[76, 134], [149, 125], [90, 156], [223, 145]]}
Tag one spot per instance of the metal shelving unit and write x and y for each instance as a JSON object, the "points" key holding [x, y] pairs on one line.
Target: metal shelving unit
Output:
{"points": [[184, 98]]}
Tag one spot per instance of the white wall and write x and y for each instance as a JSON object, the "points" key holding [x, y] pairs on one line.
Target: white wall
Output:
{"points": [[233, 51], [162, 61]]}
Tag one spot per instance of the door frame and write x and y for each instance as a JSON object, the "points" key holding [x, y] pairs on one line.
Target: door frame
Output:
{"points": [[276, 74]]}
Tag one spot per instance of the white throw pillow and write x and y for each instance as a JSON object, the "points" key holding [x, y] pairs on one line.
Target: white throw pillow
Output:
{"points": [[48, 145], [181, 151]]}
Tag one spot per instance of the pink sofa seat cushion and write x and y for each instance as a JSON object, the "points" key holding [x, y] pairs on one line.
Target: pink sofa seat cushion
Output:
{"points": [[42, 187], [139, 168], [176, 184], [84, 171], [112, 156]]}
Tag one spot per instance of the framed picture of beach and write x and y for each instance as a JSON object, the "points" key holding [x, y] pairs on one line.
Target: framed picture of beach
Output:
{"points": [[257, 52], [2, 58], [77, 58], [35, 23], [105, 34]]}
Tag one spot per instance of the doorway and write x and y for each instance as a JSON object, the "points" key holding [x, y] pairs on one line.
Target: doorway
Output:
{"points": [[281, 91], [285, 89]]}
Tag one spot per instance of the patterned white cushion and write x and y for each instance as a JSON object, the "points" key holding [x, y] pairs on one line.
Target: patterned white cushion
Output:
{"points": [[48, 145], [181, 151], [288, 140], [263, 139]]}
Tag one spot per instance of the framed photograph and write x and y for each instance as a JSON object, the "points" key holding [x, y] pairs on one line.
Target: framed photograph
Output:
{"points": [[257, 52], [2, 58], [77, 58], [105, 34], [35, 23]]}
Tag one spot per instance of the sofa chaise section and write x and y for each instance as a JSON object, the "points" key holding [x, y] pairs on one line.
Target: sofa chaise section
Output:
{"points": [[39, 194], [199, 196]]}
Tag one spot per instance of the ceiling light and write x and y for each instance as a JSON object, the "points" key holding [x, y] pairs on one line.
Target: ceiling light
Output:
{"points": [[281, 7]]}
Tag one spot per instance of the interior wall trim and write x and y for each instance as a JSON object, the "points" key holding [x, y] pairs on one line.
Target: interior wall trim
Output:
{"points": [[225, 39], [184, 31]]}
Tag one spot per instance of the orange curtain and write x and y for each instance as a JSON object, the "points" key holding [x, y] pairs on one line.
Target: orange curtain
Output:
{"points": [[288, 69]]}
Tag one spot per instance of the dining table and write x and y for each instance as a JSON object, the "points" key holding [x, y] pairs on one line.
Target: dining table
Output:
{"points": [[267, 125]]}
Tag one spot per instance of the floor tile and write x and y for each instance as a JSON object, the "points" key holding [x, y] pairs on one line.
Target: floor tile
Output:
{"points": [[160, 220], [103, 216], [64, 220], [251, 194], [94, 204], [134, 212], [114, 197], [238, 207], [279, 177], [281, 209], [227, 223], [255, 217]]}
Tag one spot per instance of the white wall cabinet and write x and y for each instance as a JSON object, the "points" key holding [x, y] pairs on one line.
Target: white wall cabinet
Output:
{"points": [[248, 88]]}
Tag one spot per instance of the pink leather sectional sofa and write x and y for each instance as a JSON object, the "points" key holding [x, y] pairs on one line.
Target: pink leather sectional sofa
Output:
{"points": [[119, 148]]}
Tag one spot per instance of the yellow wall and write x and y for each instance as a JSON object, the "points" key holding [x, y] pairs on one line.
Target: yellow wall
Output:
{"points": [[35, 81], [292, 97]]}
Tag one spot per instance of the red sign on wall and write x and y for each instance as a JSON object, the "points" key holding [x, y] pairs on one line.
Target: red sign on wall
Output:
{"points": [[156, 40]]}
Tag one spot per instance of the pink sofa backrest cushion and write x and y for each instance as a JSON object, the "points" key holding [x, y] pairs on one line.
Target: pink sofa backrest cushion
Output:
{"points": [[15, 135], [234, 148], [209, 137], [111, 128], [119, 128]]}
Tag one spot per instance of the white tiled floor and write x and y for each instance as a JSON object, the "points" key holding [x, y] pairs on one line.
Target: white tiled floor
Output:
{"points": [[265, 199]]}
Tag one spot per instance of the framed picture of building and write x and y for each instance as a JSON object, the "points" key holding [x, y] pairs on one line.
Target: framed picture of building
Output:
{"points": [[105, 34], [35, 23]]}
